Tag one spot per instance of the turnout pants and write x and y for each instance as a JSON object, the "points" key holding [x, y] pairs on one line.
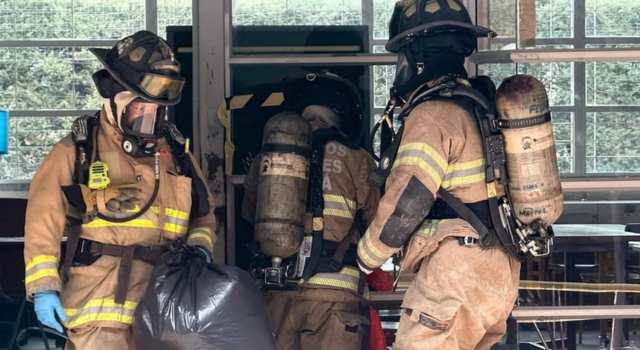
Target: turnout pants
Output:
{"points": [[460, 299], [317, 319], [100, 338]]}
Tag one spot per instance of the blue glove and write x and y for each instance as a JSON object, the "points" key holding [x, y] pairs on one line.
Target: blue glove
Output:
{"points": [[47, 305], [205, 254]]}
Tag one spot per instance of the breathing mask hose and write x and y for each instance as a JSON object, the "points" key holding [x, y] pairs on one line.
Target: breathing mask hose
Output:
{"points": [[387, 117], [146, 207]]}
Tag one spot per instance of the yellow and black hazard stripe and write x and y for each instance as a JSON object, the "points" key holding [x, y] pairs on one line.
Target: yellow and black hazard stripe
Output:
{"points": [[273, 99]]}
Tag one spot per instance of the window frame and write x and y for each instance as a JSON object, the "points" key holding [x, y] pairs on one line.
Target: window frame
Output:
{"points": [[580, 108], [151, 24]]}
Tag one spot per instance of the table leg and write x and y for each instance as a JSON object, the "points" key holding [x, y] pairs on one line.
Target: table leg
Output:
{"points": [[571, 275], [619, 256]]}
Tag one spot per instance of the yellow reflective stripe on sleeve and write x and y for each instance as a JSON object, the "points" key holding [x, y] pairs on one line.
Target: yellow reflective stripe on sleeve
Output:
{"points": [[426, 150], [40, 259], [201, 233], [183, 215], [175, 228], [422, 165], [41, 266], [50, 272], [369, 253], [347, 278]]}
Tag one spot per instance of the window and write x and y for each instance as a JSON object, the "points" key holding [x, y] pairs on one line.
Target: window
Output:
{"points": [[297, 12], [595, 105], [45, 67]]}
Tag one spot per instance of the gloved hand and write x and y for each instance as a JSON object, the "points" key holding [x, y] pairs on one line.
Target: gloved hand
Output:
{"points": [[204, 253], [118, 199], [47, 305]]}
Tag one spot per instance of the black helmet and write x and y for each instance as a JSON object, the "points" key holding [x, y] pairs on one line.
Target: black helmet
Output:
{"points": [[412, 19], [330, 90], [142, 63]]}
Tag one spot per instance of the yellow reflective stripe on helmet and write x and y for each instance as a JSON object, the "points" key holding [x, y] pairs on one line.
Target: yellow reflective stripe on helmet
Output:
{"points": [[136, 223], [49, 272], [369, 253], [39, 259]]}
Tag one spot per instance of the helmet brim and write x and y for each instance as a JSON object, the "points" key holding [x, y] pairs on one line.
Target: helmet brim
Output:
{"points": [[102, 54], [404, 38]]}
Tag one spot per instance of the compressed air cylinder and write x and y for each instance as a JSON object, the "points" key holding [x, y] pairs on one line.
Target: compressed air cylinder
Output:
{"points": [[532, 166], [282, 185], [4, 132]]}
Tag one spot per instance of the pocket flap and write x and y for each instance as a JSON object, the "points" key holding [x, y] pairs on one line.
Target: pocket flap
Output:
{"points": [[350, 319]]}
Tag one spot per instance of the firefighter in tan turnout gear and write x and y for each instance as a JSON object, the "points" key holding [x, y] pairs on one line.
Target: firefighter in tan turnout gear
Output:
{"points": [[126, 186], [314, 290], [443, 199]]}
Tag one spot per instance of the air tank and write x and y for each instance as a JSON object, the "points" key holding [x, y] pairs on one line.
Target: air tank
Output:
{"points": [[282, 185], [525, 121]]}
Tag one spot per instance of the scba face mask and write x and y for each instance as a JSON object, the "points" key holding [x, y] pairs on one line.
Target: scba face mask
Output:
{"points": [[141, 125]]}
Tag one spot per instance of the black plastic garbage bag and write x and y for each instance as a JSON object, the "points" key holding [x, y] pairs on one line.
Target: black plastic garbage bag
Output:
{"points": [[190, 304]]}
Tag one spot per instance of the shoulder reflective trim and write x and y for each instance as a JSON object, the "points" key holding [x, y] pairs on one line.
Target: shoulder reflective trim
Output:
{"points": [[201, 236], [428, 228], [426, 150], [370, 254], [45, 272], [175, 213], [100, 310], [346, 214], [137, 223], [39, 259]]}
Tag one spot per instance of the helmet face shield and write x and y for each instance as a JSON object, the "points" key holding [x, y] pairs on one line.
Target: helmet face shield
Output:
{"points": [[140, 118], [162, 86]]}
